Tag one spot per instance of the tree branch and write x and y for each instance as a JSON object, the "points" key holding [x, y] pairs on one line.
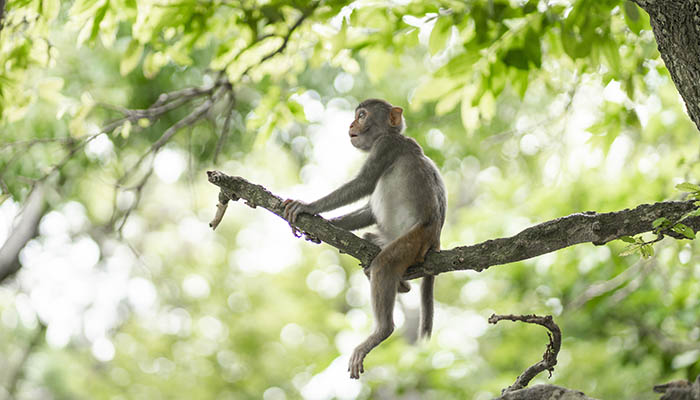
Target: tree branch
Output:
{"points": [[2, 13], [26, 229], [549, 358], [539, 392], [18, 372], [589, 226]]}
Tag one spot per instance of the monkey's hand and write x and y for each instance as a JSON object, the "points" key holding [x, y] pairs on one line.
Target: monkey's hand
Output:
{"points": [[355, 367], [292, 208]]}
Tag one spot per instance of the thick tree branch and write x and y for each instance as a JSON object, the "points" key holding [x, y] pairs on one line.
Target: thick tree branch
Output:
{"points": [[596, 228], [234, 188], [677, 31]]}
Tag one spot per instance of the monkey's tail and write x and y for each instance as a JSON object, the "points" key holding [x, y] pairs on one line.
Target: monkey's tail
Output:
{"points": [[426, 310]]}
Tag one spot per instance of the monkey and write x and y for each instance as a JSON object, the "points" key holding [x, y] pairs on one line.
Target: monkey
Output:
{"points": [[407, 203]]}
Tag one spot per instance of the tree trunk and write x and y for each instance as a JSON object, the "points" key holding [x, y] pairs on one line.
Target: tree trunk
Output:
{"points": [[676, 25]]}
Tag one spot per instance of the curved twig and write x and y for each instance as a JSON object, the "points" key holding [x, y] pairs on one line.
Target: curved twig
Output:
{"points": [[549, 358]]}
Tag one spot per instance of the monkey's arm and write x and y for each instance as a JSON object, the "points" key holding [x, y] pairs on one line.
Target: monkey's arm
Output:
{"points": [[356, 219], [382, 155]]}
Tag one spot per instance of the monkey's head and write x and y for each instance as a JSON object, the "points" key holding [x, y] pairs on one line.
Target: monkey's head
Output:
{"points": [[373, 118]]}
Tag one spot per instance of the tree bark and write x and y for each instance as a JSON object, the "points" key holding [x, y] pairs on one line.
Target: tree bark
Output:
{"points": [[676, 26], [22, 233], [589, 226], [2, 12], [549, 392]]}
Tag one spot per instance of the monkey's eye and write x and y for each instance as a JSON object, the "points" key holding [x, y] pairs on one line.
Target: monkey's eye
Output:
{"points": [[361, 114]]}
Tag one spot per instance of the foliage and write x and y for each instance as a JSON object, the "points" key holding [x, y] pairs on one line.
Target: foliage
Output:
{"points": [[532, 109]]}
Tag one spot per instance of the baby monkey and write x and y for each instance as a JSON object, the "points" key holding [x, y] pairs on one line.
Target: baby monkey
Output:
{"points": [[407, 203]]}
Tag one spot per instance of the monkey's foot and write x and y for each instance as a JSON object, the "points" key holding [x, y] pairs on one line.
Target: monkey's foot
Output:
{"points": [[404, 287], [355, 367]]}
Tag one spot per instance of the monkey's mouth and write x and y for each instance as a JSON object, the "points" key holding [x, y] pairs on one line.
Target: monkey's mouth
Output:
{"points": [[353, 135]]}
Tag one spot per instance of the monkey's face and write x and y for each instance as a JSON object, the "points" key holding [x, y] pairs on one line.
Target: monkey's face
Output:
{"points": [[360, 134]]}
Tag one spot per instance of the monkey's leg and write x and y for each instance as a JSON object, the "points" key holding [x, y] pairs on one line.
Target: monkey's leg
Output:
{"points": [[385, 274], [404, 287], [383, 283]]}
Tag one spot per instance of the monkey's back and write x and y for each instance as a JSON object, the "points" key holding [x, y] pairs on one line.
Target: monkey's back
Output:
{"points": [[409, 192]]}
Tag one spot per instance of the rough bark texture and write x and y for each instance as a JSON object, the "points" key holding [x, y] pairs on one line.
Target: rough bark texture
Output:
{"points": [[549, 358], [680, 390], [548, 392], [597, 228], [234, 188], [676, 25]]}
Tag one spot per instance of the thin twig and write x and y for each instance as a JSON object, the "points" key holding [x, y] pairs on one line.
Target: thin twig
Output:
{"points": [[18, 372], [600, 288], [248, 47], [139, 194], [190, 119], [186, 92], [109, 128], [227, 123], [285, 40], [549, 358], [635, 283], [32, 142]]}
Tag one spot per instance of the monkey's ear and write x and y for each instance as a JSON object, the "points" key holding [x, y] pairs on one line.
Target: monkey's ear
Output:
{"points": [[395, 116]]}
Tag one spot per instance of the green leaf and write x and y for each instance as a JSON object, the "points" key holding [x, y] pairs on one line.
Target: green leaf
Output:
{"points": [[440, 34], [448, 102], [627, 239], [577, 44], [693, 213], [611, 50], [688, 187], [516, 58], [532, 47], [432, 89], [469, 114], [99, 16], [126, 129], [684, 230], [660, 221], [153, 63], [635, 20], [50, 9], [487, 106], [131, 58], [520, 81], [631, 11], [629, 250]]}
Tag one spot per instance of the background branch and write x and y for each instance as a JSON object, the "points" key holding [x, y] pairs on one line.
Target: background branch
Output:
{"points": [[19, 370], [25, 230], [2, 13]]}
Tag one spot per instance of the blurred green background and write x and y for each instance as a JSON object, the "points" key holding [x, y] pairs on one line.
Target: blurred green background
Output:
{"points": [[532, 110]]}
